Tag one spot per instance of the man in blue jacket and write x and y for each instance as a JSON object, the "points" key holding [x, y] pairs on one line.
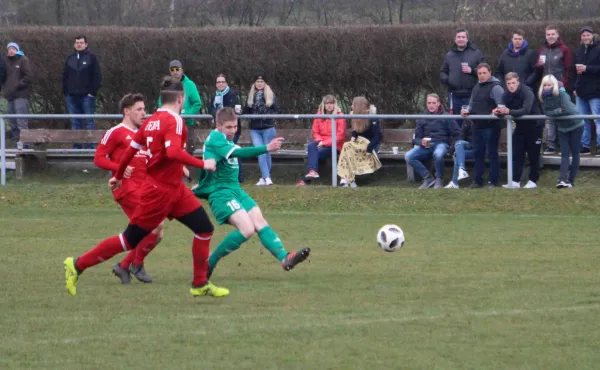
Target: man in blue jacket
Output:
{"points": [[81, 80]]}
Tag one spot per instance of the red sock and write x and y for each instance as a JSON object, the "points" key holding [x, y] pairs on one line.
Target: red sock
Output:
{"points": [[146, 246], [200, 252], [128, 259], [107, 249]]}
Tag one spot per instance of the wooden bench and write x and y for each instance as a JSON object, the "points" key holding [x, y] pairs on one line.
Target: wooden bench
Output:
{"points": [[294, 147]]}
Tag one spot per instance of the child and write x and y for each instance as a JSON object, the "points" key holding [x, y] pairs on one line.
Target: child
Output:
{"points": [[556, 102]]}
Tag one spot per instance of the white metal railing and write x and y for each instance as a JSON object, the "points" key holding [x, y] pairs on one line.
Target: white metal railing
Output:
{"points": [[334, 118]]}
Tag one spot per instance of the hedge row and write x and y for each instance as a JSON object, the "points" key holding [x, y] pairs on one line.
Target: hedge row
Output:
{"points": [[393, 65]]}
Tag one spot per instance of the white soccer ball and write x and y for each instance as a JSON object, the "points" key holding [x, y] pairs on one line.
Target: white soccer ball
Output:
{"points": [[390, 238]]}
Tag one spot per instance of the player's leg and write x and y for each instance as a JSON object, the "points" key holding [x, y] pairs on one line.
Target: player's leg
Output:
{"points": [[269, 239], [146, 246], [244, 229], [188, 210], [128, 203]]}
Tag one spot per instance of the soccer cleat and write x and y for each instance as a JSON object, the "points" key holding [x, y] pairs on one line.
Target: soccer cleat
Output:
{"points": [[209, 289], [294, 258], [451, 185], [122, 274], [140, 273], [462, 174], [312, 174], [71, 275]]}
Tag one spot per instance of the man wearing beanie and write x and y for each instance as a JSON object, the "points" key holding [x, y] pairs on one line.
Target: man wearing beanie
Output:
{"points": [[17, 87], [587, 84], [192, 103]]}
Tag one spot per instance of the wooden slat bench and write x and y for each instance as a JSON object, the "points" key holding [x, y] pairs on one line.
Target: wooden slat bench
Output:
{"points": [[36, 158]]}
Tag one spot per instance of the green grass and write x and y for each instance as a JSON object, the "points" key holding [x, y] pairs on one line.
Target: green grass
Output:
{"points": [[487, 279]]}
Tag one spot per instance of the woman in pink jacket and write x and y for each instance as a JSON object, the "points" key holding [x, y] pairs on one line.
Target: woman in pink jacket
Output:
{"points": [[320, 147]]}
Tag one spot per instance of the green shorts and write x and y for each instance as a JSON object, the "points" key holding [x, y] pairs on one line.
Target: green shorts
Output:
{"points": [[226, 202]]}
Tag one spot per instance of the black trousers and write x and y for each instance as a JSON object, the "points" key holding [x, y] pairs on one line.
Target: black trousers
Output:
{"points": [[527, 139]]}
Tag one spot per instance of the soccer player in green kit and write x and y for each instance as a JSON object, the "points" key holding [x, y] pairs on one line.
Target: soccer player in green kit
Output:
{"points": [[229, 202]]}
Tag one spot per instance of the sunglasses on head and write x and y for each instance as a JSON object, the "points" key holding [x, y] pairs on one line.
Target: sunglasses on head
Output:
{"points": [[176, 69]]}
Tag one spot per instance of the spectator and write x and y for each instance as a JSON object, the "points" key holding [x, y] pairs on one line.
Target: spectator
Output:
{"points": [[458, 70], [191, 105], [463, 150], [587, 85], [519, 100], [227, 97], [556, 102], [320, 147], [486, 96], [432, 138], [518, 58], [555, 58], [17, 87], [261, 100], [359, 155], [81, 81]]}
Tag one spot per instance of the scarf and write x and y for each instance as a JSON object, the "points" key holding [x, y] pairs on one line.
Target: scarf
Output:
{"points": [[521, 51], [218, 103], [547, 92]]}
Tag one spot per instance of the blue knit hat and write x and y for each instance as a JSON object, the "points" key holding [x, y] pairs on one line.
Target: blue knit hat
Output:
{"points": [[13, 45]]}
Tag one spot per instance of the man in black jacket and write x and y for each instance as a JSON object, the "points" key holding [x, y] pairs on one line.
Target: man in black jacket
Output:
{"points": [[81, 81], [486, 96], [587, 84], [17, 87], [458, 71], [432, 138], [519, 100], [519, 58]]}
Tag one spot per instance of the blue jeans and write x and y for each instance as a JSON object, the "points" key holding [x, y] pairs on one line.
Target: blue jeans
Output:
{"points": [[486, 141], [589, 106], [316, 154], [570, 144], [437, 150], [457, 104], [263, 137], [81, 104], [462, 152]]}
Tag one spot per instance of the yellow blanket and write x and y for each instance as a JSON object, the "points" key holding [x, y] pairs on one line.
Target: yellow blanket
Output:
{"points": [[354, 160]]}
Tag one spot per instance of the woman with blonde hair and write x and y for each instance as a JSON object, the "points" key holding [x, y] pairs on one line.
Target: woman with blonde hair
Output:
{"points": [[556, 102], [320, 147], [261, 100], [359, 155]]}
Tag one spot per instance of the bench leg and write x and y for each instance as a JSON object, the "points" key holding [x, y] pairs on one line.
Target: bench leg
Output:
{"points": [[19, 167], [410, 173]]}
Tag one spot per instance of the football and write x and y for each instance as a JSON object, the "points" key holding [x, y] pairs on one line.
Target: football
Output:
{"points": [[390, 238]]}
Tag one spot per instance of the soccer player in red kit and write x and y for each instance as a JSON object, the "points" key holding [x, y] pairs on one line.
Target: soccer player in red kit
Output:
{"points": [[163, 194], [108, 154]]}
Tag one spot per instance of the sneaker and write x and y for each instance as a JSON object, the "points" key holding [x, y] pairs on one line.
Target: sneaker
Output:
{"points": [[209, 289], [140, 273], [353, 185], [439, 184], [475, 186], [261, 182], [312, 174], [268, 181], [550, 151], [562, 185], [71, 276], [294, 258], [530, 185], [122, 274], [515, 185], [427, 183], [451, 185], [585, 151], [301, 183], [462, 174]]}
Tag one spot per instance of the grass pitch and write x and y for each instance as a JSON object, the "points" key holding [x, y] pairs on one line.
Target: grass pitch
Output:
{"points": [[487, 279]]}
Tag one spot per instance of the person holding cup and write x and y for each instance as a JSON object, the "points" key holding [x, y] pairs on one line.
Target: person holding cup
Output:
{"points": [[433, 138], [320, 147], [225, 96], [586, 85]]}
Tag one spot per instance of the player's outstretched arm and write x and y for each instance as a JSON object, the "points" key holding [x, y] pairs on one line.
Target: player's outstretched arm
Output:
{"points": [[255, 151]]}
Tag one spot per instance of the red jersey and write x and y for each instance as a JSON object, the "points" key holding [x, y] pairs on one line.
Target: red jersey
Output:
{"points": [[112, 146], [160, 131]]}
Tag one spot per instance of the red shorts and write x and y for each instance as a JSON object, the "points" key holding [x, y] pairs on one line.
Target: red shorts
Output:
{"points": [[128, 197], [157, 202]]}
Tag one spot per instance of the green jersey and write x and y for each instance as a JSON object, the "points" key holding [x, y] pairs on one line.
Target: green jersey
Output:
{"points": [[220, 149]]}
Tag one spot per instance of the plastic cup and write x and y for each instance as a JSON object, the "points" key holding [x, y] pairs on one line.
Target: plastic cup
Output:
{"points": [[238, 109], [395, 150], [427, 141]]}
